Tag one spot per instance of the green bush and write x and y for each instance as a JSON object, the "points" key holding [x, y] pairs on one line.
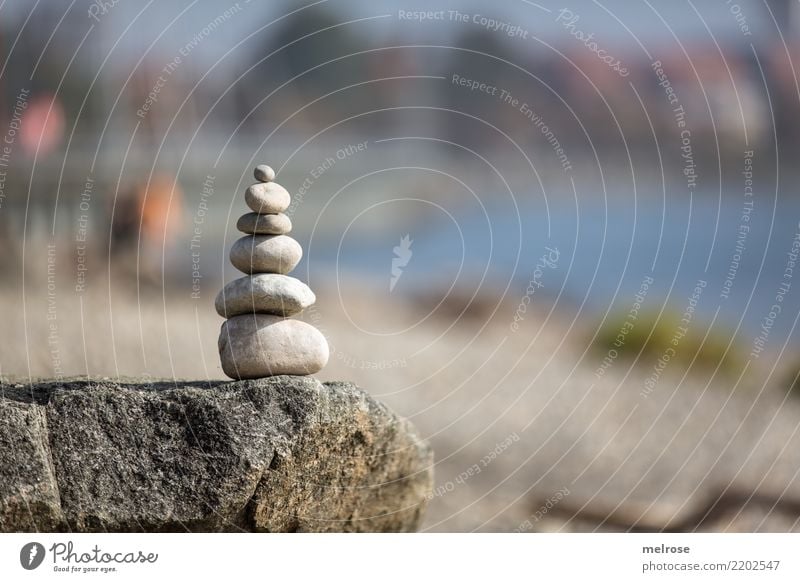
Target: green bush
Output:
{"points": [[792, 381], [649, 337]]}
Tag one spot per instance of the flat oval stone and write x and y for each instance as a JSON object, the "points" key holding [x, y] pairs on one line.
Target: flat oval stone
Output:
{"points": [[264, 173], [265, 253], [272, 294], [254, 223], [257, 346], [267, 198]]}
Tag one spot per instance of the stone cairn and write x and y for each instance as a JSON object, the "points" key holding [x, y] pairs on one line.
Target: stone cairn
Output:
{"points": [[257, 339]]}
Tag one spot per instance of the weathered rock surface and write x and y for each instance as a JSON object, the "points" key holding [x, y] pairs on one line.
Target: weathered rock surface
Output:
{"points": [[276, 454], [264, 293], [29, 498], [258, 345], [262, 253]]}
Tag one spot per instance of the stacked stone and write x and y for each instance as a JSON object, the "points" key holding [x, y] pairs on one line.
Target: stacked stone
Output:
{"points": [[257, 339]]}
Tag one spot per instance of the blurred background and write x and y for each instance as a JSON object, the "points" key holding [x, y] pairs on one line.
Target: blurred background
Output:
{"points": [[561, 238]]}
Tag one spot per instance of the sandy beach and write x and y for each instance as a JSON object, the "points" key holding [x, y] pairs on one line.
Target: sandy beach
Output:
{"points": [[527, 436]]}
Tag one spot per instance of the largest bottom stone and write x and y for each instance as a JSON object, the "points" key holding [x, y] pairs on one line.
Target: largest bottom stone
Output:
{"points": [[258, 345]]}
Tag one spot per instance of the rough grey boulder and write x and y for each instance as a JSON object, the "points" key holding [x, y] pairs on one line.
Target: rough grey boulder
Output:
{"points": [[279, 454]]}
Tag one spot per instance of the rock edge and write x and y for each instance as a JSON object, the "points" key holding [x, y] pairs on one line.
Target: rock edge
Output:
{"points": [[279, 454]]}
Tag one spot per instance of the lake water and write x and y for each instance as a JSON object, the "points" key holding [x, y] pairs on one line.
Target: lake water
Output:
{"points": [[605, 252]]}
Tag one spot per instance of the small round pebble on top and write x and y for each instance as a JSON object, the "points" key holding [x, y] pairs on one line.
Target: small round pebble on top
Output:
{"points": [[264, 173]]}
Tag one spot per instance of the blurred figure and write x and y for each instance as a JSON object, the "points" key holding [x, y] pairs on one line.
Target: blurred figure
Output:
{"points": [[145, 224], [42, 125]]}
